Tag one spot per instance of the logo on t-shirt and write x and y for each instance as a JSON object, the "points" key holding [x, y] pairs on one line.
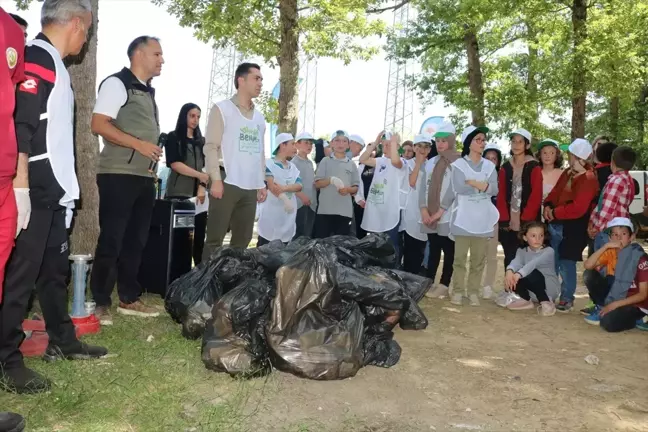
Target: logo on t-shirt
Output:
{"points": [[29, 86], [12, 57]]}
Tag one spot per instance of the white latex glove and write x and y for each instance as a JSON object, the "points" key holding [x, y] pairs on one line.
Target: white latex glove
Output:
{"points": [[23, 202], [68, 218], [338, 183], [288, 206]]}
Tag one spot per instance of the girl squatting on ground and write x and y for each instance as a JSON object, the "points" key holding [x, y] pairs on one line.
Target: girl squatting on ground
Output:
{"points": [[533, 272]]}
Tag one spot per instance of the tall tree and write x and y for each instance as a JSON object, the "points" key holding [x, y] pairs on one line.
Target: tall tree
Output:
{"points": [[277, 30], [83, 72], [579, 71]]}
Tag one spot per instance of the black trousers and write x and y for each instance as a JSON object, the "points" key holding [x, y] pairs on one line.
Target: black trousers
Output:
{"points": [[330, 225], [125, 208], [413, 253], [304, 221], [40, 258], [358, 213], [437, 244], [510, 243], [200, 229], [534, 282], [620, 319]]}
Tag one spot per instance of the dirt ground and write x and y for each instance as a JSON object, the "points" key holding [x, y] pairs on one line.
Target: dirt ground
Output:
{"points": [[475, 368]]}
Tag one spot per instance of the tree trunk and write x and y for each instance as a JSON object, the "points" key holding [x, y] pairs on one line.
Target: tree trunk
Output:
{"points": [[614, 118], [288, 67], [579, 71], [475, 76], [641, 115], [83, 72], [533, 118]]}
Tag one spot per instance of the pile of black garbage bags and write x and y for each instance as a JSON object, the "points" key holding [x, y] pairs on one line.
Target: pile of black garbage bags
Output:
{"points": [[319, 309]]}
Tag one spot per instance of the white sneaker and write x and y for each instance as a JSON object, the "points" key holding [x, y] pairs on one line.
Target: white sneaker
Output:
{"points": [[487, 293], [439, 291], [474, 300], [547, 309], [505, 298], [457, 299]]}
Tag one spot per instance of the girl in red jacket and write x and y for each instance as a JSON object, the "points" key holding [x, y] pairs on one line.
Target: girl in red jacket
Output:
{"points": [[520, 193], [567, 209]]}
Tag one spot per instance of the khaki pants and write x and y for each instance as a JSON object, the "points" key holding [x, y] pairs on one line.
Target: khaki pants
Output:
{"points": [[477, 247], [491, 260], [236, 210]]}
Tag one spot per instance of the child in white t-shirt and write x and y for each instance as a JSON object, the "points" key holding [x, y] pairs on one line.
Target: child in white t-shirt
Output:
{"points": [[277, 213]]}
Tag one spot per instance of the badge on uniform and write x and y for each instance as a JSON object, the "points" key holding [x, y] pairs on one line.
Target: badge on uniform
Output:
{"points": [[12, 57]]}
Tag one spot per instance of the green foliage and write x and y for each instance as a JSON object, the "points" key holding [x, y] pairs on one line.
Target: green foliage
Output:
{"points": [[528, 61], [268, 106], [327, 28]]}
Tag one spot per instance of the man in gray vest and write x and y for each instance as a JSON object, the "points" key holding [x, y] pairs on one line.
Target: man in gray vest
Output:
{"points": [[126, 117]]}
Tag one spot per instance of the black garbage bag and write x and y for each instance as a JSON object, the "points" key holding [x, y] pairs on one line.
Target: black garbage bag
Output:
{"points": [[371, 287], [196, 290], [374, 249], [312, 332], [275, 254], [191, 297], [380, 348], [234, 339], [415, 285]]}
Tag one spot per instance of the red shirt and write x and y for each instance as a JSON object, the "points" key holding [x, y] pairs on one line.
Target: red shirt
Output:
{"points": [[12, 72], [571, 198], [640, 276]]}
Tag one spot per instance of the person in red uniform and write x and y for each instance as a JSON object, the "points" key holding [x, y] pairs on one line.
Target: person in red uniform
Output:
{"points": [[12, 72], [46, 174]]}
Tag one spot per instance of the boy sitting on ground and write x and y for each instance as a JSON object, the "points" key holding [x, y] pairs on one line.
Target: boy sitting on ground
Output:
{"points": [[621, 297]]}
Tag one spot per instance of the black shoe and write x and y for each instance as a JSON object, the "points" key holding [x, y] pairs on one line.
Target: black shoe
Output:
{"points": [[81, 351], [11, 422], [24, 381]]}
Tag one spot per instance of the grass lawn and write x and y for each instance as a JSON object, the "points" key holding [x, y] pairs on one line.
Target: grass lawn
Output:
{"points": [[159, 385]]}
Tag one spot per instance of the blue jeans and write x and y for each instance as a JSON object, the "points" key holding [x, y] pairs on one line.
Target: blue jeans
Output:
{"points": [[426, 255], [394, 237], [565, 268], [601, 240], [555, 238]]}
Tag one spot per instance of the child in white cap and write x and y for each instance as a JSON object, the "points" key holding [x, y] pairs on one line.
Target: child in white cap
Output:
{"points": [[307, 198], [567, 209], [277, 213], [621, 297], [435, 220], [337, 179], [414, 237], [388, 192]]}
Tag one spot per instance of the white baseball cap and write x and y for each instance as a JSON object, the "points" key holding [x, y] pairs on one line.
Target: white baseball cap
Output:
{"points": [[339, 133], [280, 139], [304, 136], [491, 146], [522, 132], [580, 148], [470, 129], [358, 139], [423, 138], [620, 221], [444, 130]]}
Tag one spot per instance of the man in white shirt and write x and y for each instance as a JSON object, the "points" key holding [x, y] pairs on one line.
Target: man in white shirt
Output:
{"points": [[235, 160], [126, 117]]}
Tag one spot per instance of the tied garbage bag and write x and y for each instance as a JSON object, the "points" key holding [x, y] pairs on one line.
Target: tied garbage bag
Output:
{"points": [[234, 339], [312, 332], [374, 249], [380, 348], [190, 298]]}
